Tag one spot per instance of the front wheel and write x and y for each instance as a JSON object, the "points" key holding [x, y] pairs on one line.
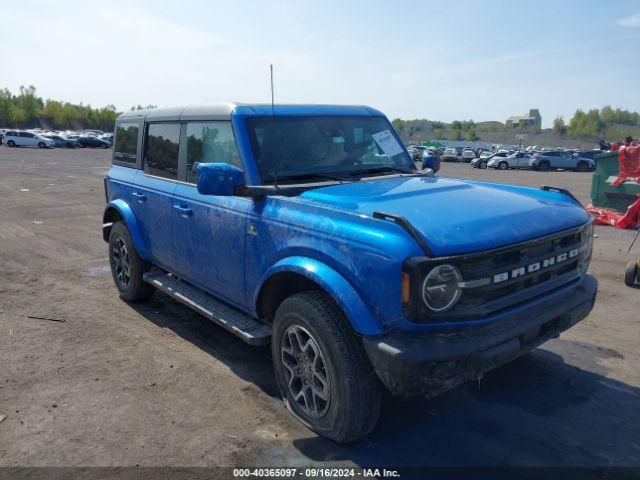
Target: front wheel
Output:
{"points": [[482, 165], [11, 143], [322, 370], [127, 267], [41, 145], [503, 166], [544, 166], [631, 274]]}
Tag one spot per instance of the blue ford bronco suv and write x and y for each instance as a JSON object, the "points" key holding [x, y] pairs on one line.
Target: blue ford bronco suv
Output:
{"points": [[309, 228]]}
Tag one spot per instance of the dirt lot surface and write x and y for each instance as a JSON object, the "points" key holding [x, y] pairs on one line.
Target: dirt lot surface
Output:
{"points": [[155, 384]]}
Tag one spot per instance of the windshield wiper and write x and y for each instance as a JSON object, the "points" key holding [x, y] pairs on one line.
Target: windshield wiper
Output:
{"points": [[313, 175], [386, 168]]}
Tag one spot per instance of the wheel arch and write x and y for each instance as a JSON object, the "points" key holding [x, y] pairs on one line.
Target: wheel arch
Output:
{"points": [[120, 210], [296, 274]]}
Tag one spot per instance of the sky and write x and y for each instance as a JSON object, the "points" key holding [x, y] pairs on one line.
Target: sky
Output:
{"points": [[479, 60]]}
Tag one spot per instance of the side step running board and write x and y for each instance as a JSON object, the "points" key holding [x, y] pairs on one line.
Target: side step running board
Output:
{"points": [[240, 324]]}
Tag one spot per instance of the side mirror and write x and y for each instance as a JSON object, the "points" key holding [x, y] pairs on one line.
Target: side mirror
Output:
{"points": [[218, 178]]}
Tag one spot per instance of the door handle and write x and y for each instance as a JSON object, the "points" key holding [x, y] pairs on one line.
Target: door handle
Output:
{"points": [[140, 196], [185, 212]]}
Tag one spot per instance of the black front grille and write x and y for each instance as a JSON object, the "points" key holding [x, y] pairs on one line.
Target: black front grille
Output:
{"points": [[494, 280]]}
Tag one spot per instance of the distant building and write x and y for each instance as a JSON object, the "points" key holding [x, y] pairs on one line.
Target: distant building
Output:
{"points": [[532, 120]]}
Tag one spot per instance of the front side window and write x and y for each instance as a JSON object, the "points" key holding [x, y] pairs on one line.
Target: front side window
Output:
{"points": [[161, 150], [210, 142], [126, 142], [323, 145]]}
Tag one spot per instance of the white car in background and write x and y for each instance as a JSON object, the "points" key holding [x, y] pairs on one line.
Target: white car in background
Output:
{"points": [[18, 138], [467, 155], [450, 155]]}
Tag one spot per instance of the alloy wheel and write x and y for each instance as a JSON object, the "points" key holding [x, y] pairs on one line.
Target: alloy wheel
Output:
{"points": [[122, 262], [305, 371]]}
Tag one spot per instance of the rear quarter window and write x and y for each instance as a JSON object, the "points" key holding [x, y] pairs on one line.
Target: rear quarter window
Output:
{"points": [[126, 144], [161, 146]]}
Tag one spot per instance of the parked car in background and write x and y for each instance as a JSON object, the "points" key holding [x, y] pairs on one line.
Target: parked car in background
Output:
{"points": [[483, 161], [559, 159], [60, 141], [588, 153], [467, 155], [17, 138], [512, 161], [416, 152], [93, 142], [450, 155]]}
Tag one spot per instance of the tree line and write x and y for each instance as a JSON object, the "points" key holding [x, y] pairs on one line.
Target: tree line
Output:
{"points": [[28, 110], [606, 123]]}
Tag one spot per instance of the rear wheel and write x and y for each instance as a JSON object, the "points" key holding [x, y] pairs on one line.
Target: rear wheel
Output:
{"points": [[323, 372], [631, 274], [127, 267], [503, 165], [544, 166], [583, 167]]}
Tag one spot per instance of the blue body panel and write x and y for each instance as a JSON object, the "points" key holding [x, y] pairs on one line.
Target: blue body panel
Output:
{"points": [[209, 242], [152, 206], [231, 245], [458, 216]]}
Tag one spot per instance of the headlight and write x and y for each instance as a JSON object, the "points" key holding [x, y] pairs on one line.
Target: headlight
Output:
{"points": [[441, 288]]}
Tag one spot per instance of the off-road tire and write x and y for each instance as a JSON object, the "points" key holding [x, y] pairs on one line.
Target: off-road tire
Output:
{"points": [[11, 143], [355, 391], [503, 166], [136, 289], [631, 274]]}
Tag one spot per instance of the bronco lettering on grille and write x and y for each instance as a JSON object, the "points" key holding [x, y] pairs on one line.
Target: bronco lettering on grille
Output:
{"points": [[536, 266]]}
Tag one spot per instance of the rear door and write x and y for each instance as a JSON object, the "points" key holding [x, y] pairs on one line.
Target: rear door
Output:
{"points": [[151, 199], [26, 139], [209, 230], [521, 160]]}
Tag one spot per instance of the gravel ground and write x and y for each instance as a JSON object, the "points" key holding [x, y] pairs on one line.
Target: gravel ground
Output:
{"points": [[155, 384]]}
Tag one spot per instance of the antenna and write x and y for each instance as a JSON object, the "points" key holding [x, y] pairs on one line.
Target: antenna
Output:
{"points": [[273, 134]]}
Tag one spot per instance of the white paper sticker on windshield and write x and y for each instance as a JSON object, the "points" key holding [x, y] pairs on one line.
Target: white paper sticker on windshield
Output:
{"points": [[388, 143]]}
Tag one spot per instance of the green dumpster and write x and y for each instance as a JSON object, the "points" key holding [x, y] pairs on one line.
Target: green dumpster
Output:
{"points": [[604, 195]]}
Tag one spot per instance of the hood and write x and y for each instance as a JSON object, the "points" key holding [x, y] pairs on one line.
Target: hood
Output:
{"points": [[458, 216]]}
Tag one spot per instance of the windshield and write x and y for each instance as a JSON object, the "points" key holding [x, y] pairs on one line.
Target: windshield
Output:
{"points": [[343, 146]]}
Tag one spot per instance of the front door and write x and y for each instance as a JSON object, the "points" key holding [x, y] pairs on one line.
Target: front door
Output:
{"points": [[208, 230]]}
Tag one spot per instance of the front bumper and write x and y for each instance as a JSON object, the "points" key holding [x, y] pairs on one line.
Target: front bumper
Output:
{"points": [[410, 363]]}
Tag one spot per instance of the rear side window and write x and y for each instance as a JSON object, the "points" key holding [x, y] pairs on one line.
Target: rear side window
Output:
{"points": [[126, 142], [161, 150], [210, 142]]}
